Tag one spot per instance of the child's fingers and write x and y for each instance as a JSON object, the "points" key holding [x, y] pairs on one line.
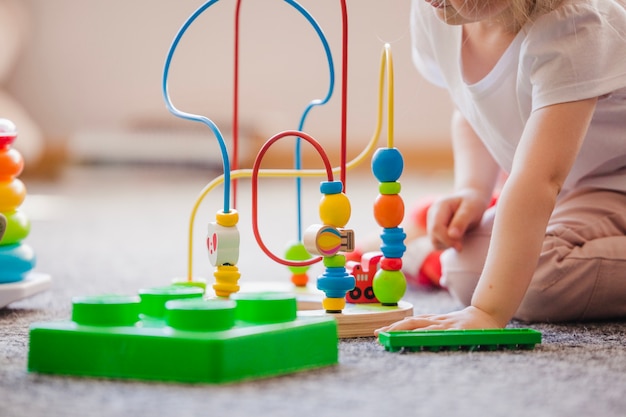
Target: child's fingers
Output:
{"points": [[459, 224], [439, 217], [428, 321]]}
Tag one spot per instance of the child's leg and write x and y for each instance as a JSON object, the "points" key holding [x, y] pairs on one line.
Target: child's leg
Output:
{"points": [[461, 270], [581, 274]]}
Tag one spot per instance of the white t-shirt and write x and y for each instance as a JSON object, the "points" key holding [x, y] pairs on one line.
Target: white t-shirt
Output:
{"points": [[575, 52]]}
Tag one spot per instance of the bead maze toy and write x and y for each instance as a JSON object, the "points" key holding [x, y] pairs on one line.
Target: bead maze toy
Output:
{"points": [[230, 334], [17, 259], [453, 340], [325, 242]]}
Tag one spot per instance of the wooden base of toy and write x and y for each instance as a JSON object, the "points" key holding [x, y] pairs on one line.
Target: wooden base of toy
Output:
{"points": [[34, 283], [356, 320]]}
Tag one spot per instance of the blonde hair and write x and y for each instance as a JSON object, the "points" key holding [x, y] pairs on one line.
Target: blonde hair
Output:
{"points": [[525, 11]]}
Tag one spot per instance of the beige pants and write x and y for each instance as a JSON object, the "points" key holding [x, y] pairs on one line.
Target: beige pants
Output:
{"points": [[581, 273]]}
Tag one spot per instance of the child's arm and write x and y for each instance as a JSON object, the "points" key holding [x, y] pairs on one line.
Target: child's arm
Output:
{"points": [[548, 148], [545, 154]]}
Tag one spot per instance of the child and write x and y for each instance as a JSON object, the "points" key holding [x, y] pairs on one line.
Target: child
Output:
{"points": [[540, 93]]}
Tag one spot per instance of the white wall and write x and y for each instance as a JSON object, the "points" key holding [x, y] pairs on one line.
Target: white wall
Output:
{"points": [[95, 64]]}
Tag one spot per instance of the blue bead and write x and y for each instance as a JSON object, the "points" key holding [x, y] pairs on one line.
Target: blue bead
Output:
{"points": [[15, 262], [331, 187], [387, 164], [393, 242], [335, 282]]}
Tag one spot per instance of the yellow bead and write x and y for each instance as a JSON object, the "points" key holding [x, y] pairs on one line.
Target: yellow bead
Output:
{"points": [[226, 277], [335, 210], [12, 194], [334, 304], [227, 219]]}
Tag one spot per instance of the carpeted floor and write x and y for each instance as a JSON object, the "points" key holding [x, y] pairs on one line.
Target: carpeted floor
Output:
{"points": [[118, 230]]}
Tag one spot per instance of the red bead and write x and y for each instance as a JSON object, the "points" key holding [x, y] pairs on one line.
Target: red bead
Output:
{"points": [[391, 264]]}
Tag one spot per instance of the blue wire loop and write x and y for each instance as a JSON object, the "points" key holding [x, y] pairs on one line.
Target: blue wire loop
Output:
{"points": [[208, 122]]}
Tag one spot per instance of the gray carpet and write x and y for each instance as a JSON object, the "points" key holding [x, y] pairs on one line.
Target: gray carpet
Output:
{"points": [[103, 231]]}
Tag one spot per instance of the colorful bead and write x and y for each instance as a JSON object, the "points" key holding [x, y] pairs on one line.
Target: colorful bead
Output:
{"points": [[391, 264], [8, 133], [389, 286], [333, 305], [229, 219], [17, 228], [15, 262], [389, 187], [331, 187], [387, 164], [335, 282], [226, 278], [12, 195], [389, 210], [11, 164], [393, 242], [297, 252], [335, 210], [336, 261]]}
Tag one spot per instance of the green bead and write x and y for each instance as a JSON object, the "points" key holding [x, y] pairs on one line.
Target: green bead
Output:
{"points": [[335, 261], [17, 228], [389, 188], [297, 252], [389, 286]]}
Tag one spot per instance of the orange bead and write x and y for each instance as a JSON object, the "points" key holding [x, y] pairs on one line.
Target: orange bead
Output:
{"points": [[11, 164], [389, 210]]}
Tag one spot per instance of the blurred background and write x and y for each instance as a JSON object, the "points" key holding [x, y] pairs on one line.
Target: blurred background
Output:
{"points": [[82, 79]]}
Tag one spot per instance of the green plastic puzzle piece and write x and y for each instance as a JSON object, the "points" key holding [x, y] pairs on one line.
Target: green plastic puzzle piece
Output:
{"points": [[175, 334], [436, 340]]}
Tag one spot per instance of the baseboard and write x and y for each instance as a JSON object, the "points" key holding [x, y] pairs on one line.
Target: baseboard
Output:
{"points": [[54, 157], [58, 154]]}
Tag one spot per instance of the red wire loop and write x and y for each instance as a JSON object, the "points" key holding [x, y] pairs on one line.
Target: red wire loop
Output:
{"points": [[255, 179]]}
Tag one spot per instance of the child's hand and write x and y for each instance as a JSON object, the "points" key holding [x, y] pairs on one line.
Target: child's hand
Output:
{"points": [[468, 318], [450, 217]]}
